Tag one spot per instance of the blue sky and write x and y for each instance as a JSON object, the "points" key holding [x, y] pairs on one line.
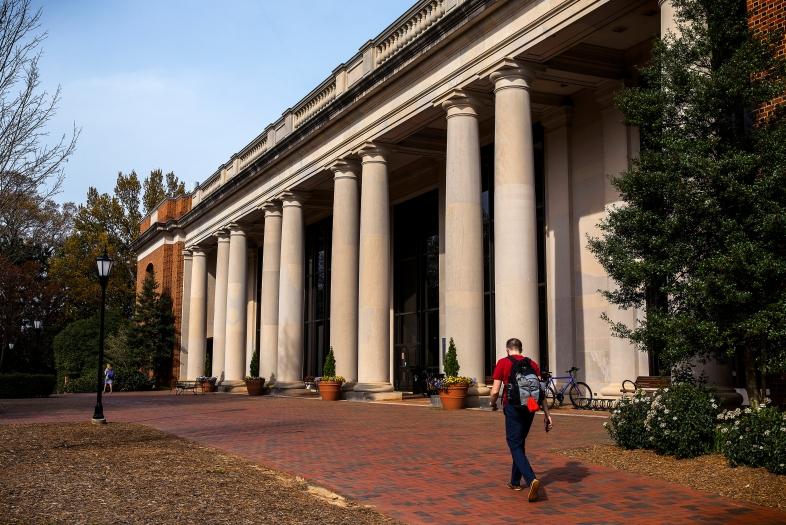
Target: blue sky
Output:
{"points": [[181, 85]]}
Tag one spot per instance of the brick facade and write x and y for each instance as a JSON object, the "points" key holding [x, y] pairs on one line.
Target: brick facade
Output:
{"points": [[766, 16], [167, 263]]}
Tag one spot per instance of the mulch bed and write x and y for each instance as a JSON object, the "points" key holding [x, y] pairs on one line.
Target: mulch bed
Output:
{"points": [[710, 473], [128, 473]]}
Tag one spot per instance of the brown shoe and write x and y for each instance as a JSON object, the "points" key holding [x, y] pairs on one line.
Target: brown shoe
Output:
{"points": [[511, 486], [533, 490]]}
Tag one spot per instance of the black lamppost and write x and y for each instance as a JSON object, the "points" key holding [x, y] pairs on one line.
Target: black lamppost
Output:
{"points": [[104, 264]]}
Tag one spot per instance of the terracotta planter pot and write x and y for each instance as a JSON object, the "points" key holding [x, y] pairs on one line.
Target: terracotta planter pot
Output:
{"points": [[207, 386], [453, 397], [255, 387], [330, 390]]}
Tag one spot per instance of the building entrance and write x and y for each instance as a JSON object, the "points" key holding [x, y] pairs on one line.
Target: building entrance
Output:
{"points": [[416, 290]]}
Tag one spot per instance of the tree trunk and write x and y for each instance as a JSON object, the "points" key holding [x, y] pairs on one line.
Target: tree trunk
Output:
{"points": [[751, 382]]}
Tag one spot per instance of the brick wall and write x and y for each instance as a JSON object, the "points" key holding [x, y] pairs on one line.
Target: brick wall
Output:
{"points": [[765, 16], [167, 261]]}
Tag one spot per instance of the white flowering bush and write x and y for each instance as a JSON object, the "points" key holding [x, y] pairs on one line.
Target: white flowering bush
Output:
{"points": [[680, 421], [626, 423], [754, 436]]}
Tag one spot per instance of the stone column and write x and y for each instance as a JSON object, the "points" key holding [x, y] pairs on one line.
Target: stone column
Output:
{"points": [[271, 259], [220, 303], [668, 22], [515, 226], [291, 288], [374, 274], [464, 237], [196, 313], [235, 363], [344, 271], [186, 302]]}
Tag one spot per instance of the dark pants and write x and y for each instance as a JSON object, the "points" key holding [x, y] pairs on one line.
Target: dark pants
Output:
{"points": [[517, 423]]}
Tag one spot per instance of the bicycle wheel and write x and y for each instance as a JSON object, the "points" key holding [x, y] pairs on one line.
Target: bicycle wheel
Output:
{"points": [[580, 395], [551, 397]]}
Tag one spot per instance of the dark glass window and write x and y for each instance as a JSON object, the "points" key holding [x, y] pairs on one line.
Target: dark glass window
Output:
{"points": [[317, 296]]}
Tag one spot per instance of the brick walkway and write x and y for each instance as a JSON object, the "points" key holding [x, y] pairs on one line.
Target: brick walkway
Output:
{"points": [[414, 463]]}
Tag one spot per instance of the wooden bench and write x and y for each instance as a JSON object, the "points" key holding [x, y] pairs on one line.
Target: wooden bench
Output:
{"points": [[182, 386], [649, 384]]}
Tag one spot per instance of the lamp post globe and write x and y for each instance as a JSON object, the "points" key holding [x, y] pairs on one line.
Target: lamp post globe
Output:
{"points": [[37, 324], [103, 267], [10, 346]]}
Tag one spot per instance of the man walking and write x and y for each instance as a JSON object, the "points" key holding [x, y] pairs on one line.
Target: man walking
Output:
{"points": [[518, 415]]}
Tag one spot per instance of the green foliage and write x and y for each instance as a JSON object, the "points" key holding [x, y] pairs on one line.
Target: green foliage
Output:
{"points": [[329, 367], [151, 336], [698, 245], [626, 423], [451, 363], [254, 365], [26, 385], [83, 383], [76, 346], [680, 421], [156, 189], [755, 437]]}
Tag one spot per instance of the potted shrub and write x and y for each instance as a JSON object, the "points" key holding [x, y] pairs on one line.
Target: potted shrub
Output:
{"points": [[208, 384], [330, 383], [453, 387], [254, 384]]}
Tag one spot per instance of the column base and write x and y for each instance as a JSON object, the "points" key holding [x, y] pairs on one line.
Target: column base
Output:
{"points": [[284, 385], [609, 390], [479, 390], [348, 386], [358, 395], [234, 386], [373, 387], [476, 401]]}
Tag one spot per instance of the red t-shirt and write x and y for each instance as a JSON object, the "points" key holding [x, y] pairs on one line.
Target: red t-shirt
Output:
{"points": [[502, 372]]}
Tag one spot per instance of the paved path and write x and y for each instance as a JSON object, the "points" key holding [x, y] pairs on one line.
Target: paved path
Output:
{"points": [[418, 464]]}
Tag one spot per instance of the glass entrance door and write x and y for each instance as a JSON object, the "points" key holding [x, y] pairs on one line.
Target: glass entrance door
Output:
{"points": [[416, 290]]}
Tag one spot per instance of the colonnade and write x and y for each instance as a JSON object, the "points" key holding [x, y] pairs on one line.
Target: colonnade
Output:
{"points": [[361, 263]]}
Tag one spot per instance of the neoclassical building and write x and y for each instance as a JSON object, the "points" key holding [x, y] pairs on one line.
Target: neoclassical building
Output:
{"points": [[441, 183]]}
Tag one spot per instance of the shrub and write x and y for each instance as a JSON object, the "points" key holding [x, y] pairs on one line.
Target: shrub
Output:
{"points": [[26, 385], [451, 360], [329, 369], [681, 420], [76, 346], [755, 437], [254, 365], [86, 382], [626, 424]]}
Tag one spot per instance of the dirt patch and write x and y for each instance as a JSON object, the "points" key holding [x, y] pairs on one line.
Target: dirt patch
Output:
{"points": [[710, 473], [127, 473]]}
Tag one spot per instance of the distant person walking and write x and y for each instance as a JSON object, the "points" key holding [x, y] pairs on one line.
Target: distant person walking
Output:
{"points": [[109, 377], [521, 397]]}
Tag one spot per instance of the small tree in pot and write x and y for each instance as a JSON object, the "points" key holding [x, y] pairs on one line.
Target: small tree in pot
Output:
{"points": [[453, 388], [254, 384], [330, 383]]}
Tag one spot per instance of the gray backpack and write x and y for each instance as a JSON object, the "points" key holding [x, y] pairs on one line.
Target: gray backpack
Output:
{"points": [[524, 388]]}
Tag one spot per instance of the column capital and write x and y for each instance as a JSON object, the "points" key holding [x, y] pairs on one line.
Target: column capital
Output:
{"points": [[270, 208], [235, 229], [345, 169], [196, 250], [186, 253], [292, 198], [371, 152], [460, 102], [512, 74], [221, 235], [556, 117]]}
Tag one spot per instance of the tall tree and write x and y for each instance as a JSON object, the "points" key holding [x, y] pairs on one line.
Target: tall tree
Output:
{"points": [[31, 168], [699, 241], [156, 189], [152, 333]]}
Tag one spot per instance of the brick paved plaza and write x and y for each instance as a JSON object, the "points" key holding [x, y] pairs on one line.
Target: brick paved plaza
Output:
{"points": [[414, 463]]}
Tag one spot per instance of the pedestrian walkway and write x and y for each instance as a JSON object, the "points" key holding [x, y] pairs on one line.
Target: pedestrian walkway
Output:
{"points": [[414, 463]]}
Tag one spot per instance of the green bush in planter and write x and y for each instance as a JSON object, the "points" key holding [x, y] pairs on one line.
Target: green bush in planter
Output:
{"points": [[451, 363], [681, 421], [754, 436], [26, 385], [626, 423]]}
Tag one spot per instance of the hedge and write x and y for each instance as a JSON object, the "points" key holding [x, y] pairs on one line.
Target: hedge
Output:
{"points": [[26, 385]]}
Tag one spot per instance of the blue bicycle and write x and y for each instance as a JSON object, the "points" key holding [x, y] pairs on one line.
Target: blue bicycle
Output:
{"points": [[579, 393]]}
